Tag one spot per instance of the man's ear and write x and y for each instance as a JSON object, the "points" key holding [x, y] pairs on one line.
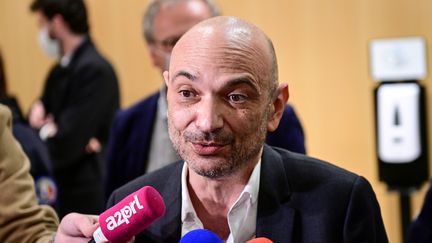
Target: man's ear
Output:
{"points": [[166, 77], [277, 108]]}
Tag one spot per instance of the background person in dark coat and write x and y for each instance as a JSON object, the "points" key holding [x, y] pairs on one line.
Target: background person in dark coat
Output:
{"points": [[77, 105], [139, 140], [223, 97]]}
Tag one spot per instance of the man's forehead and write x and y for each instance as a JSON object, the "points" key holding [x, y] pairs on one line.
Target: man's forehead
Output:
{"points": [[207, 48], [226, 32], [214, 56]]}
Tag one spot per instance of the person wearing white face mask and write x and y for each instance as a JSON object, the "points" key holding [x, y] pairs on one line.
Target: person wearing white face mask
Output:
{"points": [[78, 103]]}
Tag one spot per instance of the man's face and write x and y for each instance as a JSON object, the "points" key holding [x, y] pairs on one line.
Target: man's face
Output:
{"points": [[170, 23], [218, 105]]}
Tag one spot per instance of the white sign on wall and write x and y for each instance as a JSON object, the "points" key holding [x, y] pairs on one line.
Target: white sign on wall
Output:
{"points": [[398, 59]]}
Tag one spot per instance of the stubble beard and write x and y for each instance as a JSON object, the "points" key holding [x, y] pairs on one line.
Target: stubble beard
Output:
{"points": [[241, 153]]}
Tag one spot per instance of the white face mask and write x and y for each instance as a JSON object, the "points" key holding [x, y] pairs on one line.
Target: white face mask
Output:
{"points": [[50, 46]]}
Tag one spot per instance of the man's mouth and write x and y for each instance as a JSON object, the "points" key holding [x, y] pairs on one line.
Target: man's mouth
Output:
{"points": [[207, 148]]}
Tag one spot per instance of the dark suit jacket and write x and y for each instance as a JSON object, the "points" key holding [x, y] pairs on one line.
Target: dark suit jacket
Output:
{"points": [[130, 138], [83, 97], [301, 199]]}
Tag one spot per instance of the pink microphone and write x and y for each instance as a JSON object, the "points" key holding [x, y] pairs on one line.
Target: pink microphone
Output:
{"points": [[260, 240], [130, 216]]}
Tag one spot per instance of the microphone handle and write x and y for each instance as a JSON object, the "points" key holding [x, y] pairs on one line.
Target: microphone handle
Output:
{"points": [[92, 241]]}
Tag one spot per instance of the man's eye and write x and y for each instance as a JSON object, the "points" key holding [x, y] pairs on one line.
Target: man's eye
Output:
{"points": [[186, 93], [237, 98]]}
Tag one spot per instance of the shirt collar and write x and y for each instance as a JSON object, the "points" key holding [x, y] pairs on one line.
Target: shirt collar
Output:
{"points": [[252, 187], [65, 60], [188, 213]]}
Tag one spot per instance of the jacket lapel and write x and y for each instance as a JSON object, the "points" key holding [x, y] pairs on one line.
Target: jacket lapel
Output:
{"points": [[275, 218], [168, 227], [172, 195]]}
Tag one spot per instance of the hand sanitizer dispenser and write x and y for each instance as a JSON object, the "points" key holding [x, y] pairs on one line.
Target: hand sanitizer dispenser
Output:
{"points": [[401, 134], [398, 116]]}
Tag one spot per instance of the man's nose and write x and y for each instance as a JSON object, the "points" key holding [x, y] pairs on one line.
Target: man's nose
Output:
{"points": [[209, 115]]}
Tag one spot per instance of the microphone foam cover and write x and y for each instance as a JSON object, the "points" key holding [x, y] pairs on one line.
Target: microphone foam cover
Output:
{"points": [[200, 236], [132, 215]]}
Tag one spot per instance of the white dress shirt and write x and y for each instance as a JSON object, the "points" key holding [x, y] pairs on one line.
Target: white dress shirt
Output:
{"points": [[241, 216]]}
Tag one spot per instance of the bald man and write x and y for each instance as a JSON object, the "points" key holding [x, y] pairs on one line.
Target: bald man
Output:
{"points": [[139, 141], [223, 97]]}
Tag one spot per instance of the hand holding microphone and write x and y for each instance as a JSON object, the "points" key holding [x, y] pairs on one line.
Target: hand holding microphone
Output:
{"points": [[76, 227], [130, 216]]}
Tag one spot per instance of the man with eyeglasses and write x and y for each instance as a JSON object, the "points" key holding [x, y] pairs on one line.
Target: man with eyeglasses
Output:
{"points": [[139, 142]]}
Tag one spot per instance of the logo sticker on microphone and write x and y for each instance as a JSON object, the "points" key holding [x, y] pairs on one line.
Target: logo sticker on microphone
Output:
{"points": [[122, 216]]}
